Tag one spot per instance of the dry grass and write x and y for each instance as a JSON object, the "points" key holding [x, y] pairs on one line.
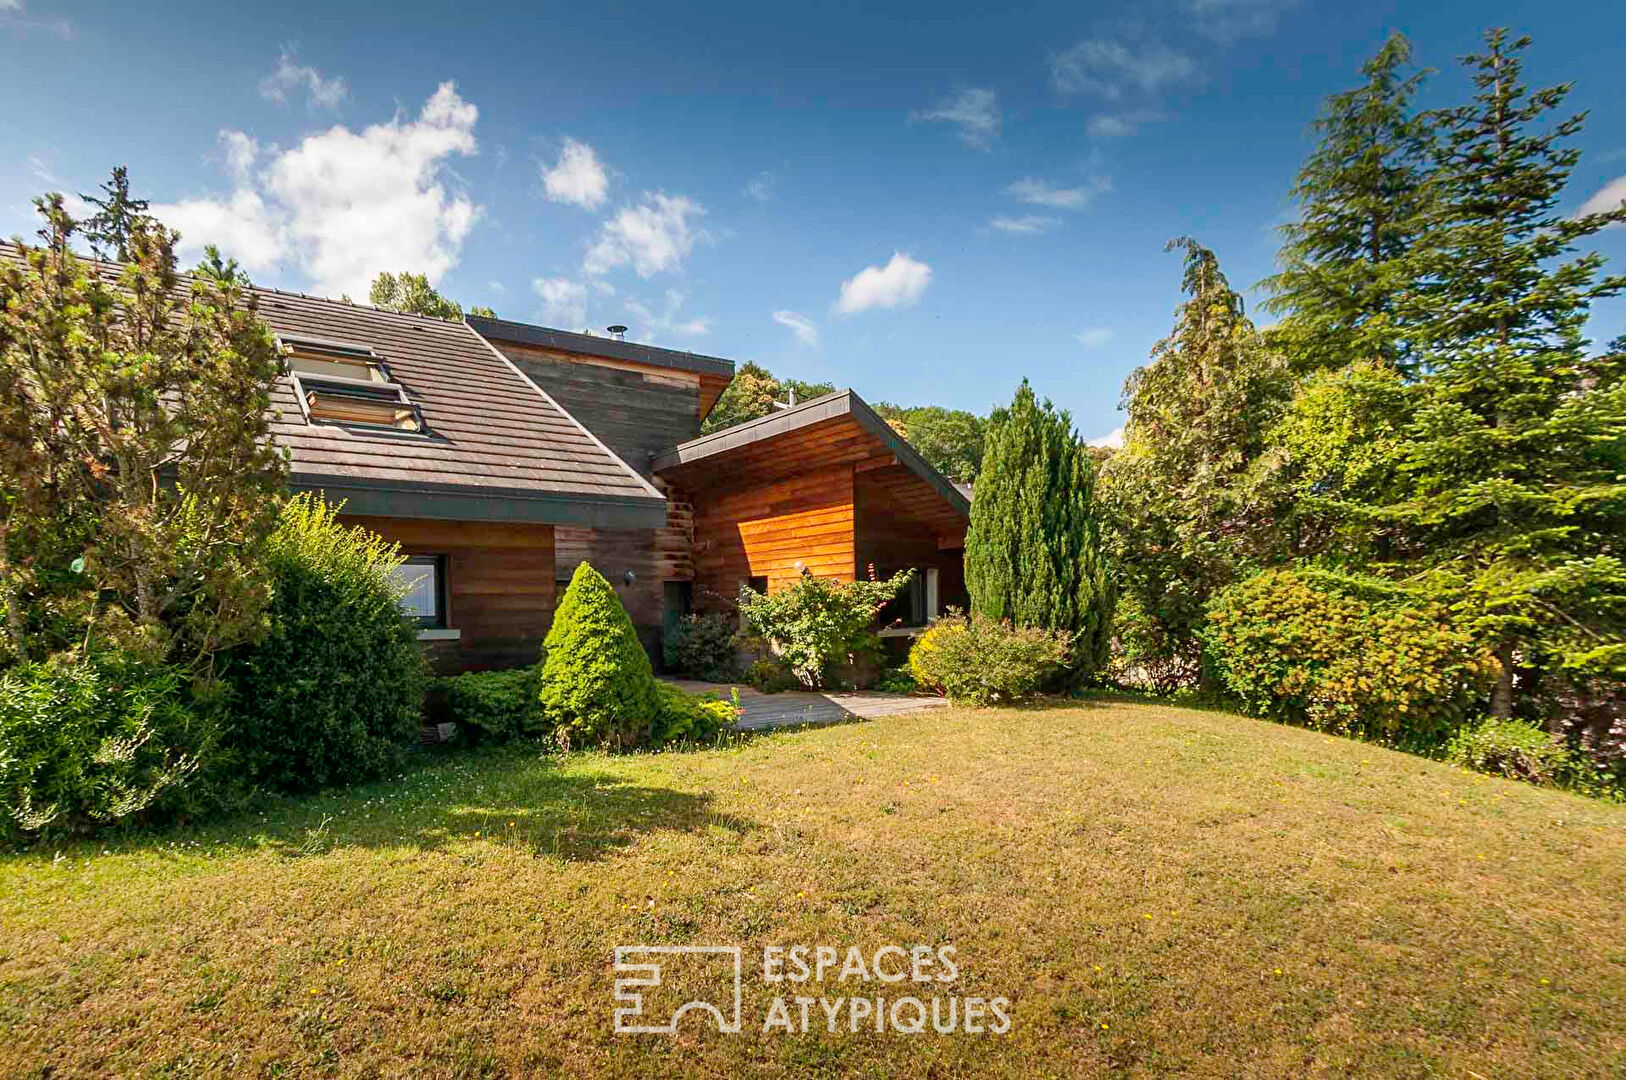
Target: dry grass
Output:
{"points": [[1157, 890]]}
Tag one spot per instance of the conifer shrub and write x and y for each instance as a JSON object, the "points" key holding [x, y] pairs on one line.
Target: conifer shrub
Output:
{"points": [[1351, 655], [597, 686], [985, 661], [701, 647], [86, 743], [1516, 749], [684, 717], [334, 691], [495, 706]]}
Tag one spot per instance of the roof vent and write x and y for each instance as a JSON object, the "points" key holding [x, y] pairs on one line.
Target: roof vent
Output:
{"points": [[617, 331]]}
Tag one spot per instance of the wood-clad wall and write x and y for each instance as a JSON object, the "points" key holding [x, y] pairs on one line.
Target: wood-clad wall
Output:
{"points": [[500, 588], [637, 412], [763, 530]]}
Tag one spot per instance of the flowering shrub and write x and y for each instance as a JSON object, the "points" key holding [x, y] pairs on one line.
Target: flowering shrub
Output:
{"points": [[984, 661], [818, 623], [1348, 655]]}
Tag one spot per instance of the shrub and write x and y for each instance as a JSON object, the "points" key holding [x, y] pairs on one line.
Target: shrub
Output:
{"points": [[817, 622], [772, 676], [91, 743], [499, 706], [1516, 749], [984, 661], [334, 691], [597, 686], [1350, 655], [897, 680], [694, 717], [701, 647]]}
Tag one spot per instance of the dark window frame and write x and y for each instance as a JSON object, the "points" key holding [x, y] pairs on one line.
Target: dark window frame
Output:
{"points": [[439, 620]]}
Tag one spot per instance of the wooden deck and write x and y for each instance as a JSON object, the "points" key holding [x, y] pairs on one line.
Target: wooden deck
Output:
{"points": [[794, 708]]}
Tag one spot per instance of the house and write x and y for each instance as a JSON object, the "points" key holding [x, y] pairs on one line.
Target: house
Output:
{"points": [[501, 455]]}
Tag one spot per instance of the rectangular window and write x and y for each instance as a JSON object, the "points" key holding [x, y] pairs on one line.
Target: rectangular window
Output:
{"points": [[424, 579], [315, 356], [758, 584], [346, 403]]}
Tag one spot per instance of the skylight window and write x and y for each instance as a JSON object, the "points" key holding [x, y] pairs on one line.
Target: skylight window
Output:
{"points": [[341, 383], [315, 356]]}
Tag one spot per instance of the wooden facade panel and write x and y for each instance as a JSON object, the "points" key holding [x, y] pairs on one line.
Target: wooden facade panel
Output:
{"points": [[763, 530], [500, 588]]}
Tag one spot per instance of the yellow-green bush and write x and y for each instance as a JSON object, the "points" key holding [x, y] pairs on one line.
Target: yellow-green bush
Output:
{"points": [[1348, 655], [682, 716], [984, 661]]}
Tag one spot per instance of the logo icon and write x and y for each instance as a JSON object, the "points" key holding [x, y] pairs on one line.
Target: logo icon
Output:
{"points": [[716, 964]]}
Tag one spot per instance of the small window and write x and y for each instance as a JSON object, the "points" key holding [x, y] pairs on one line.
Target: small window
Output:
{"points": [[314, 356], [423, 577], [757, 585]]}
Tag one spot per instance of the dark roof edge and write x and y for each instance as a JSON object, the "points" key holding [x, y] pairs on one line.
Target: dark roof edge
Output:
{"points": [[839, 403], [591, 345], [460, 502]]}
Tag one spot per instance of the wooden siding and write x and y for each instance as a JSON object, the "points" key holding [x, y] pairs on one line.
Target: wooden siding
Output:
{"points": [[636, 411], [500, 586], [763, 530]]}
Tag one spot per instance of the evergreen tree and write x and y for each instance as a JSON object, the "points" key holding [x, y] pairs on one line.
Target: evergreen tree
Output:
{"points": [[1192, 504], [1362, 195], [109, 228], [1034, 551], [1510, 461]]}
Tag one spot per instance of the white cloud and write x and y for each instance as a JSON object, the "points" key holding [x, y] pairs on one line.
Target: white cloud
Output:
{"points": [[1112, 440], [564, 302], [761, 187], [1226, 20], [1026, 225], [657, 325], [974, 110], [653, 236], [900, 283], [343, 205], [496, 286], [11, 5], [1093, 337], [578, 177], [1114, 70], [290, 74], [1117, 125], [1608, 198], [1043, 193], [806, 331]]}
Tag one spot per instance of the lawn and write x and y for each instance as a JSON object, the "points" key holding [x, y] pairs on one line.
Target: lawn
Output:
{"points": [[1155, 890]]}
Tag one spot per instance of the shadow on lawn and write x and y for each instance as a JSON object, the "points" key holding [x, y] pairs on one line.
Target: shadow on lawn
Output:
{"points": [[518, 800]]}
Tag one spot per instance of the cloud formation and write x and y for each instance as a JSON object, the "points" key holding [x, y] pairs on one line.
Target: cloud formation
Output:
{"points": [[1609, 197], [761, 187], [564, 302], [578, 177], [343, 205], [900, 283], [1112, 440], [652, 236], [1093, 337], [1115, 70], [803, 327], [1043, 193], [1027, 225], [974, 110], [290, 75]]}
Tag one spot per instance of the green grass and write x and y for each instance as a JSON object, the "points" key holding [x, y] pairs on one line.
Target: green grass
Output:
{"points": [[1156, 890]]}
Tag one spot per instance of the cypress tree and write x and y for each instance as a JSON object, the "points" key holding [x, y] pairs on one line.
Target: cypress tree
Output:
{"points": [[1033, 553]]}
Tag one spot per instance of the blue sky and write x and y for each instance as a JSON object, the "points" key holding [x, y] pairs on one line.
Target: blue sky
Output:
{"points": [[922, 202]]}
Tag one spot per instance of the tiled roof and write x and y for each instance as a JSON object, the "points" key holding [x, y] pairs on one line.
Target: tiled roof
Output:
{"points": [[496, 448]]}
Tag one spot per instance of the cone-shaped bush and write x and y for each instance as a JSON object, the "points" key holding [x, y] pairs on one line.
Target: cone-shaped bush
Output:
{"points": [[597, 685]]}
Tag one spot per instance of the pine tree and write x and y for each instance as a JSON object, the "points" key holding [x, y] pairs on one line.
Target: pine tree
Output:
{"points": [[109, 229], [1034, 553], [1511, 457], [1362, 196], [1190, 508]]}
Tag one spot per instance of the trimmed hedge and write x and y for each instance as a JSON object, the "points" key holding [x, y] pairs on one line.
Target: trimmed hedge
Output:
{"points": [[498, 706], [597, 686]]}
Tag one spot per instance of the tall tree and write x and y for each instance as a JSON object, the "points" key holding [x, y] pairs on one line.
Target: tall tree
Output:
{"points": [[137, 475], [1192, 505], [1362, 197], [1034, 553], [108, 230], [951, 439], [1510, 460], [411, 294]]}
